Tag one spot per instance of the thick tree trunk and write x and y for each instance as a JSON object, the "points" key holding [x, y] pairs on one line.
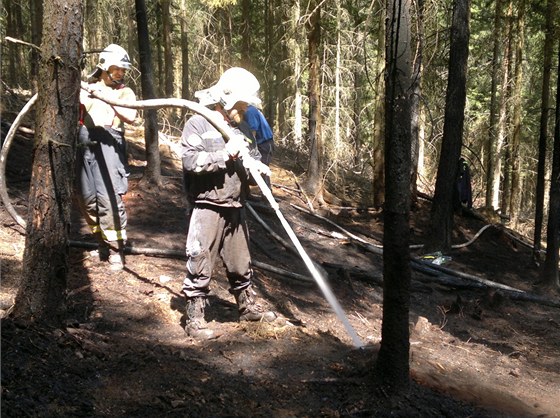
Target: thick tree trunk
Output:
{"points": [[392, 365], [153, 158], [41, 293], [445, 192]]}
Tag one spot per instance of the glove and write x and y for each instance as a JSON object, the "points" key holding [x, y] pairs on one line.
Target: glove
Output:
{"points": [[262, 169], [236, 145]]}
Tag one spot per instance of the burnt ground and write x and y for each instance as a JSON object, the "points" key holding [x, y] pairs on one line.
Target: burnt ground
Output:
{"points": [[475, 352]]}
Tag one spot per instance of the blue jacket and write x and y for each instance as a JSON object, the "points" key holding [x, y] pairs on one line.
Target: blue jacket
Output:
{"points": [[258, 124]]}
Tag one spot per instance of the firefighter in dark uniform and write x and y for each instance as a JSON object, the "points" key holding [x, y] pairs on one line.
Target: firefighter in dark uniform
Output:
{"points": [[102, 168], [215, 184]]}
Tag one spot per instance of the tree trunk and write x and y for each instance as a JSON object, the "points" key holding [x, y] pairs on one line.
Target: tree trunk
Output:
{"points": [[245, 31], [41, 293], [168, 64], [153, 159], [515, 195], [272, 81], [543, 133], [298, 75], [392, 365], [492, 124], [501, 129], [11, 48], [36, 10], [313, 183], [185, 81], [503, 167], [379, 120], [550, 267], [415, 105], [285, 78], [446, 192]]}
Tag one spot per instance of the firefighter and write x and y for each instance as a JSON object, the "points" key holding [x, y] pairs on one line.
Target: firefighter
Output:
{"points": [[216, 183], [102, 158]]}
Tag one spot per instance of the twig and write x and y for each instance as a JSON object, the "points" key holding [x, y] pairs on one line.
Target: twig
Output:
{"points": [[19, 41], [307, 200]]}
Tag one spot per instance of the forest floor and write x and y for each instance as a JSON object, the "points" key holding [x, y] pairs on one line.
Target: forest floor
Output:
{"points": [[475, 352]]}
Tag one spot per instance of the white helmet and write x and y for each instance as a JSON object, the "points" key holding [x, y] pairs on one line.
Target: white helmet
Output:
{"points": [[235, 85], [114, 55], [209, 96]]}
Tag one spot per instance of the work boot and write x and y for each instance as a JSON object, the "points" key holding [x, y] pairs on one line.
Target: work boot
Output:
{"points": [[196, 325], [116, 255], [116, 261], [103, 250], [249, 310]]}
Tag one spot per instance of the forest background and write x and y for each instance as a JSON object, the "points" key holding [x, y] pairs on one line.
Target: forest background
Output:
{"points": [[509, 86]]}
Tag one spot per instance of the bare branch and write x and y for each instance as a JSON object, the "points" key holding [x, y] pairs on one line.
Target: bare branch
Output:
{"points": [[19, 41]]}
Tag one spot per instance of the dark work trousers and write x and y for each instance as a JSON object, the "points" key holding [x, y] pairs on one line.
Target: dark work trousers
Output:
{"points": [[102, 181], [265, 150], [213, 231]]}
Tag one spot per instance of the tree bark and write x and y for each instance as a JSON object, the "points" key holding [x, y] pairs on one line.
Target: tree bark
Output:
{"points": [[245, 30], [515, 195], [36, 10], [492, 124], [379, 119], [543, 133], [550, 267], [185, 80], [392, 365], [441, 217], [167, 48], [41, 293], [313, 183], [153, 158], [501, 174], [417, 92]]}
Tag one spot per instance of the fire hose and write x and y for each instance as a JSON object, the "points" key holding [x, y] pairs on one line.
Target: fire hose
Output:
{"points": [[249, 163]]}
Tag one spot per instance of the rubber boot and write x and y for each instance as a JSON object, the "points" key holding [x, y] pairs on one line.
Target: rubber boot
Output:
{"points": [[196, 326], [249, 310]]}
